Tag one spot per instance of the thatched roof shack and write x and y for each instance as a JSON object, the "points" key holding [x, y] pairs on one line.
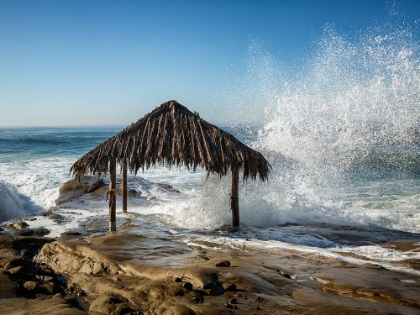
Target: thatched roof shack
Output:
{"points": [[173, 135]]}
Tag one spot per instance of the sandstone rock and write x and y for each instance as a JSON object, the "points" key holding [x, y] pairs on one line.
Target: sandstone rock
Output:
{"points": [[95, 185], [175, 289], [97, 268], [49, 286], [175, 309], [86, 268], [19, 225], [30, 285], [73, 188], [124, 309], [149, 274], [229, 286], [21, 306], [110, 304]]}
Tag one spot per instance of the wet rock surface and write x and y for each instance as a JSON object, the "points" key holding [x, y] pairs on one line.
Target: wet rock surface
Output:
{"points": [[75, 188], [123, 273]]}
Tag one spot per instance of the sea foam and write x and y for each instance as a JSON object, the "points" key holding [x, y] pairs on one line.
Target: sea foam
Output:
{"points": [[12, 204]]}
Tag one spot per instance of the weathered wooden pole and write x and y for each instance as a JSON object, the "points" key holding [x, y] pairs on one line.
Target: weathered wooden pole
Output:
{"points": [[235, 198], [112, 195], [124, 187]]}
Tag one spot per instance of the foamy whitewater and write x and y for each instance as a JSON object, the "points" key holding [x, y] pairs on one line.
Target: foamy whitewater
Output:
{"points": [[341, 131]]}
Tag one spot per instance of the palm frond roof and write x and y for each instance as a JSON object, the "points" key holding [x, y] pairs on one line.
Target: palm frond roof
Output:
{"points": [[173, 135]]}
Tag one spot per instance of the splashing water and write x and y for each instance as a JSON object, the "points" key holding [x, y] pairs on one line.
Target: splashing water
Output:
{"points": [[341, 132], [12, 203]]}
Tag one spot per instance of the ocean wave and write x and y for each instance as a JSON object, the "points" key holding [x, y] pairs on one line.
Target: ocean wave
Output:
{"points": [[14, 204]]}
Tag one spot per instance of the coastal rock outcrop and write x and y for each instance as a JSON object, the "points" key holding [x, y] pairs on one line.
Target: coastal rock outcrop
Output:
{"points": [[143, 275], [125, 273], [26, 288], [75, 188]]}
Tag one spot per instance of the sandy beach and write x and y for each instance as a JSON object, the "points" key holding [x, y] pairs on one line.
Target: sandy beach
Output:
{"points": [[140, 270]]}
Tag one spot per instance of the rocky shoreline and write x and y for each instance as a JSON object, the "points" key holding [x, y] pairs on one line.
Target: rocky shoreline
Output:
{"points": [[26, 287], [125, 273], [134, 271]]}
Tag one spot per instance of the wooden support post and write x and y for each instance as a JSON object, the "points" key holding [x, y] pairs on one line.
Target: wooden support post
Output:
{"points": [[235, 198], [124, 187], [112, 195]]}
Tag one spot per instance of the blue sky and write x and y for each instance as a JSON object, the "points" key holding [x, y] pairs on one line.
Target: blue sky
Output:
{"points": [[82, 62]]}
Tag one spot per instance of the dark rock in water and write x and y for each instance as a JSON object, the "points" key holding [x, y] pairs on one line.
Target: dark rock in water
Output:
{"points": [[225, 263], [69, 235], [33, 232], [134, 193], [55, 216], [168, 188], [73, 188], [95, 185]]}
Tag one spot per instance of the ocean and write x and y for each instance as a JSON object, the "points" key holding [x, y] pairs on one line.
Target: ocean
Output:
{"points": [[342, 134], [381, 187]]}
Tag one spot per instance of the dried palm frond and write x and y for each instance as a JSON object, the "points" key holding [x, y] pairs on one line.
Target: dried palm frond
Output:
{"points": [[173, 135]]}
